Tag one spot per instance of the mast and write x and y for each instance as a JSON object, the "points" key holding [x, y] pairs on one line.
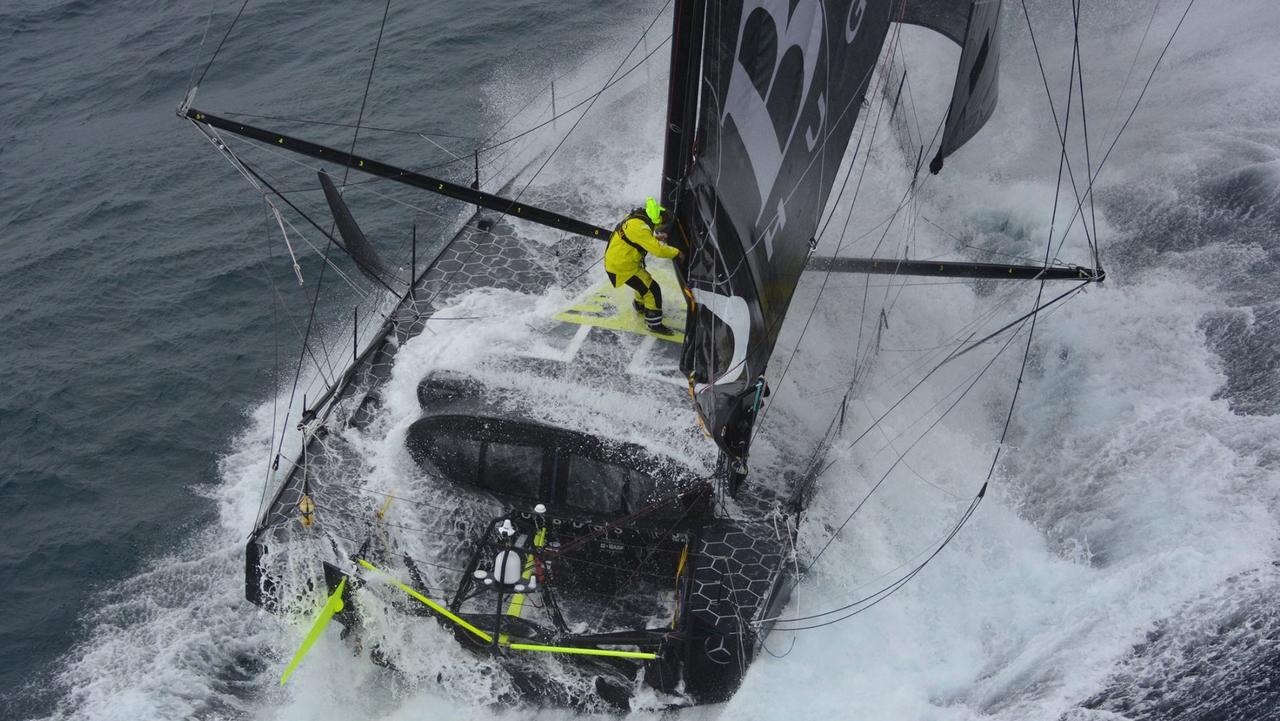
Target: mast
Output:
{"points": [[780, 85], [682, 95]]}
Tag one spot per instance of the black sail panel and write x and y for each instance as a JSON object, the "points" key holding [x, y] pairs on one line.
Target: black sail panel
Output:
{"points": [[782, 83], [973, 99]]}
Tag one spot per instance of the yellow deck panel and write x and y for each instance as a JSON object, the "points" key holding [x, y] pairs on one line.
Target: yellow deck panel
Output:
{"points": [[607, 307]]}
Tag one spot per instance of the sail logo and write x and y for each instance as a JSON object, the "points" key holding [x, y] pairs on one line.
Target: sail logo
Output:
{"points": [[770, 84], [768, 91], [857, 11]]}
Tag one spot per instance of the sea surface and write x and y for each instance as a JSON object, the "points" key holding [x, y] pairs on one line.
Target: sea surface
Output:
{"points": [[1123, 566]]}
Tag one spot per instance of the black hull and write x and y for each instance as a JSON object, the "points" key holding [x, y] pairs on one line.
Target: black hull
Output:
{"points": [[740, 565]]}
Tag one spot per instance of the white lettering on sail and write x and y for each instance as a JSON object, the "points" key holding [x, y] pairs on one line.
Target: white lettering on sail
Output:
{"points": [[748, 107], [857, 11], [778, 222], [811, 135]]}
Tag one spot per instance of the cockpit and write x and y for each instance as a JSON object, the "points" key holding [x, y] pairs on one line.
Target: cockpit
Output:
{"points": [[523, 462]]}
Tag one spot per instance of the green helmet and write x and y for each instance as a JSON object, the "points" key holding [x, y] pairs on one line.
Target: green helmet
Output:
{"points": [[653, 210]]}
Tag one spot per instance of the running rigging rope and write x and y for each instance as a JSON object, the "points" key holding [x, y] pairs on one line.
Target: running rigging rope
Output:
{"points": [[1031, 317], [514, 201], [221, 42], [320, 282], [1048, 248]]}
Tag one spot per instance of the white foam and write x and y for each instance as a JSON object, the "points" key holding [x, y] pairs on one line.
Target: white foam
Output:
{"points": [[1127, 491]]}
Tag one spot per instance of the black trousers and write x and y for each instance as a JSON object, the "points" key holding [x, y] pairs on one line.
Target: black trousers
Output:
{"points": [[648, 296]]}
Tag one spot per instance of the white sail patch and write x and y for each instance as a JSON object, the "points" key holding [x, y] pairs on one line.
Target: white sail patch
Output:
{"points": [[735, 313]]}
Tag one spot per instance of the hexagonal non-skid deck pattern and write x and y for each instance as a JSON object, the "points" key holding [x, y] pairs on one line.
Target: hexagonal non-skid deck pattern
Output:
{"points": [[738, 567], [496, 257], [735, 573]]}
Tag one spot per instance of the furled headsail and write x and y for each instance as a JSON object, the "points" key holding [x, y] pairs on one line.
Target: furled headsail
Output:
{"points": [[780, 87]]}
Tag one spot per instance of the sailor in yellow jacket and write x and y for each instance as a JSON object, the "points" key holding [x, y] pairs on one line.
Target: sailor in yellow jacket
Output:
{"points": [[631, 241]]}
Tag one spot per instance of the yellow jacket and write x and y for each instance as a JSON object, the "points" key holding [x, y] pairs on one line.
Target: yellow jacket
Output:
{"points": [[629, 244]]}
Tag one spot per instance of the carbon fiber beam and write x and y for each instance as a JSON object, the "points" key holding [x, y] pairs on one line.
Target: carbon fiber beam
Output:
{"points": [[949, 269], [464, 193]]}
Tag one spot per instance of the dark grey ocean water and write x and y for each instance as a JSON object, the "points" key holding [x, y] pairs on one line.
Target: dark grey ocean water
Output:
{"points": [[138, 338], [136, 326]]}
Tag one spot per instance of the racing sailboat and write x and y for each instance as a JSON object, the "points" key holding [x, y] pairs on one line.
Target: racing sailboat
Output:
{"points": [[642, 536]]}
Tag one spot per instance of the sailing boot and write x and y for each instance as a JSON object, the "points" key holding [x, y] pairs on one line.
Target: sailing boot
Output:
{"points": [[653, 319]]}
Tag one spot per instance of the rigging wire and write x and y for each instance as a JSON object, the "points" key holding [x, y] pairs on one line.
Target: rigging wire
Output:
{"points": [[1079, 209], [195, 61], [977, 249], [426, 136], [275, 373], [336, 124], [893, 587], [1136, 54], [1061, 127], [1136, 104], [542, 89], [590, 105], [585, 101], [220, 42], [1088, 157], [368, 83], [1033, 315], [315, 300], [1048, 248], [889, 590], [832, 537], [550, 155], [852, 204]]}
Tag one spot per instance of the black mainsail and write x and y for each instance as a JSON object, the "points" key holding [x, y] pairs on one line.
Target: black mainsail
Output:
{"points": [[780, 87]]}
